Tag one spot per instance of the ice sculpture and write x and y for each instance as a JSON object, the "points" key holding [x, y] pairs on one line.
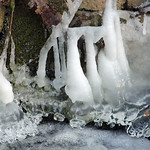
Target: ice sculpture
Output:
{"points": [[105, 78]]}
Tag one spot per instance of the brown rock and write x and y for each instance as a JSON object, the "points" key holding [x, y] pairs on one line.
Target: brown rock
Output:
{"points": [[93, 4], [134, 3], [120, 3], [98, 4]]}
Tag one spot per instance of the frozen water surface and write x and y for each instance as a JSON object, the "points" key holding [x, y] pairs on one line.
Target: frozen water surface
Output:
{"points": [[59, 136]]}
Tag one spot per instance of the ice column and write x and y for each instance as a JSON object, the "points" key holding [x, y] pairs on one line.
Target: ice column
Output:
{"points": [[78, 87], [112, 62], [92, 72]]}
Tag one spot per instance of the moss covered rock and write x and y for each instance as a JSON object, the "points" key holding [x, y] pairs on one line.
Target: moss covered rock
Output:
{"points": [[2, 13], [28, 33]]}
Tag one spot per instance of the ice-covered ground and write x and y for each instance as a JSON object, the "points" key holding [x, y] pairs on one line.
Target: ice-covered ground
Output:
{"points": [[60, 136]]}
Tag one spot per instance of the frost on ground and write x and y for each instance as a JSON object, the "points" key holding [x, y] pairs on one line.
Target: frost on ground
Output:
{"points": [[54, 136]]}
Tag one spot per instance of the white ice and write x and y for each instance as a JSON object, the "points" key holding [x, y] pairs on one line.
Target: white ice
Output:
{"points": [[92, 72], [89, 85], [145, 25], [112, 62], [78, 87], [6, 91]]}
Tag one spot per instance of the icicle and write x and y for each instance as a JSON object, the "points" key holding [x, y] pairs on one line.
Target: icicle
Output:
{"points": [[12, 55], [62, 57], [41, 72], [57, 83], [110, 37], [92, 73], [3, 57], [144, 24], [109, 79], [77, 88], [56, 60], [57, 31], [6, 92], [112, 62]]}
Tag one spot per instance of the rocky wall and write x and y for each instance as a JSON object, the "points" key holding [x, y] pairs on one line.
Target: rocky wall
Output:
{"points": [[30, 33]]}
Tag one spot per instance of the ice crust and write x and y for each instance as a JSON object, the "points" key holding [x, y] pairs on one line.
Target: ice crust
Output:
{"points": [[62, 137]]}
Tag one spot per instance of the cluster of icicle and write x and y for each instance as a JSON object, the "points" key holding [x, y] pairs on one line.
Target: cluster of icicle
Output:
{"points": [[106, 77]]}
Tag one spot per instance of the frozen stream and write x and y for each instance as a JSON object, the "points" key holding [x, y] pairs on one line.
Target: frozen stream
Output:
{"points": [[60, 136]]}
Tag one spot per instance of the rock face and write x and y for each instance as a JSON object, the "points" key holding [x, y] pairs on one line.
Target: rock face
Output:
{"points": [[135, 3], [93, 5], [100, 4], [96, 5]]}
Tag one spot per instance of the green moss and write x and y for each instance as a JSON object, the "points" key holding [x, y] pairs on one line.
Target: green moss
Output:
{"points": [[4, 30], [28, 34]]}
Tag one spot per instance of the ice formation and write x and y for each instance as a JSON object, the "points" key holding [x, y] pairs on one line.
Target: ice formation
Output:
{"points": [[59, 53], [113, 57], [144, 24], [105, 80], [102, 86], [6, 91]]}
